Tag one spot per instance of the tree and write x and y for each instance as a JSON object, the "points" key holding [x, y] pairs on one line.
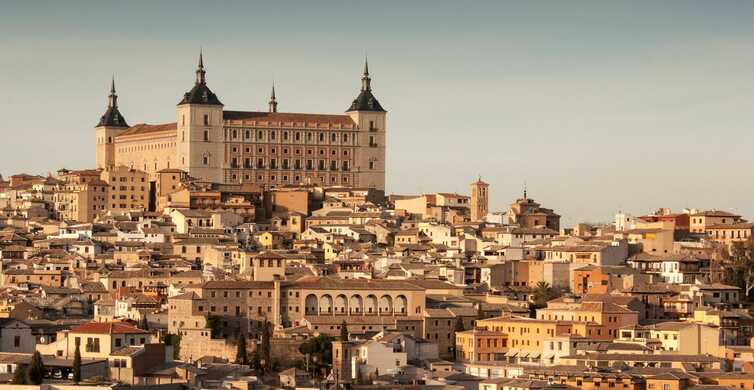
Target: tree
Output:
{"points": [[542, 294], [143, 323], [242, 356], [215, 326], [174, 340], [19, 376], [77, 364], [344, 331], [36, 371], [319, 350], [740, 270], [266, 351], [256, 361]]}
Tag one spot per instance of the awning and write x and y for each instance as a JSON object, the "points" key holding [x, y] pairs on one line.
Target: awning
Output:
{"points": [[523, 354], [511, 353], [548, 356], [535, 355]]}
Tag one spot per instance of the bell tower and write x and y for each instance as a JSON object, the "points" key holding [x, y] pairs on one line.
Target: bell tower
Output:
{"points": [[479, 200], [200, 138], [370, 117], [111, 124]]}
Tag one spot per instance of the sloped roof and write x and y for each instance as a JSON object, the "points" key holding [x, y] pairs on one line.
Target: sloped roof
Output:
{"points": [[108, 328]]}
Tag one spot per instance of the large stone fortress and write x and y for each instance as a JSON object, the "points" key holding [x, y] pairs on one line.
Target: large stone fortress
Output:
{"points": [[268, 148]]}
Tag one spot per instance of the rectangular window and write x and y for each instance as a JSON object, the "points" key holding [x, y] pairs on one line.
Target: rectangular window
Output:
{"points": [[206, 120]]}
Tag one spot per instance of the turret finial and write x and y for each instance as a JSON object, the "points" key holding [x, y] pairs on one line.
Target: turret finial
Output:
{"points": [[113, 98], [200, 73], [273, 103], [365, 80]]}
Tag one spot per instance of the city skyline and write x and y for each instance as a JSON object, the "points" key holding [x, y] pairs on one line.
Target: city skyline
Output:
{"points": [[616, 109]]}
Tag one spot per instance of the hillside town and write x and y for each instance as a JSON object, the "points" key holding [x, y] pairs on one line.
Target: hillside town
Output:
{"points": [[119, 276]]}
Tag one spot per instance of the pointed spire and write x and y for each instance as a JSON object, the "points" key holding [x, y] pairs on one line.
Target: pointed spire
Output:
{"points": [[200, 73], [525, 191], [273, 103], [365, 80], [113, 98]]}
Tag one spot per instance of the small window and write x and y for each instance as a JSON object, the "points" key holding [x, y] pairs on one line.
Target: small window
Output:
{"points": [[206, 120]]}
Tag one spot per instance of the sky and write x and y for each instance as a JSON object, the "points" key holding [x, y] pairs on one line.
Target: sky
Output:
{"points": [[597, 106]]}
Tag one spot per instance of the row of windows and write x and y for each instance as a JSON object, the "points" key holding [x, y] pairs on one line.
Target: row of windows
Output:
{"points": [[141, 148], [334, 179], [247, 135], [309, 165], [285, 151]]}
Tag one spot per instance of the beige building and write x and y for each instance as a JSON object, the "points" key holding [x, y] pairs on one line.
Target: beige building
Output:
{"points": [[267, 148], [96, 340], [730, 233], [702, 220], [128, 189], [81, 197]]}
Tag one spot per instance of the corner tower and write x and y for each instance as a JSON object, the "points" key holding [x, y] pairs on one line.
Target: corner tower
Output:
{"points": [[110, 125], [199, 138], [369, 116]]}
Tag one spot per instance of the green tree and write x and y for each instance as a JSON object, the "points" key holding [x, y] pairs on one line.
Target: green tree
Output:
{"points": [[344, 331], [143, 323], [319, 350], [215, 325], [542, 293], [256, 363], [266, 350], [242, 356], [36, 371], [19, 376], [77, 364], [173, 340]]}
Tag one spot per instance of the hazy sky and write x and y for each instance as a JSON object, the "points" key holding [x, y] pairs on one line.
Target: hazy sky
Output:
{"points": [[596, 105]]}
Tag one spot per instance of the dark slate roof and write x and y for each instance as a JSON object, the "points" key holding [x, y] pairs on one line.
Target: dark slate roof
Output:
{"points": [[365, 102], [113, 118], [200, 94]]}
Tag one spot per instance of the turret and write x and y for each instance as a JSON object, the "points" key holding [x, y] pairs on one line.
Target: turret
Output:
{"points": [[111, 124], [370, 118], [199, 144]]}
